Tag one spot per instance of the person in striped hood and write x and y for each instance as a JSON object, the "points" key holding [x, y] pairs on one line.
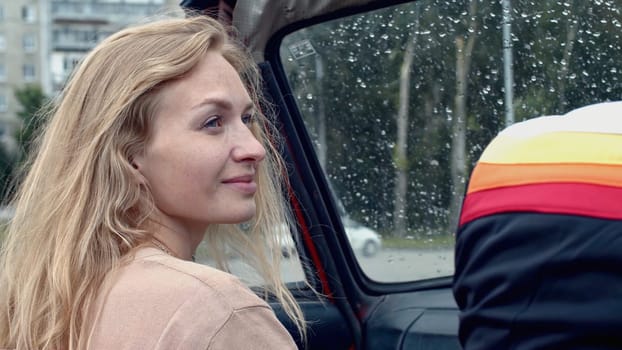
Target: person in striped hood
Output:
{"points": [[539, 243]]}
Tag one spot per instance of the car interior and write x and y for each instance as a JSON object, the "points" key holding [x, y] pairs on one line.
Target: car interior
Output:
{"points": [[385, 108]]}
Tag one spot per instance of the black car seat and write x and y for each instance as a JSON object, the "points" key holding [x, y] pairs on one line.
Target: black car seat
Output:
{"points": [[539, 244]]}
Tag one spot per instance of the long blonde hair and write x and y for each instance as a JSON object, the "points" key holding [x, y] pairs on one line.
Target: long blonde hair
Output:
{"points": [[78, 211]]}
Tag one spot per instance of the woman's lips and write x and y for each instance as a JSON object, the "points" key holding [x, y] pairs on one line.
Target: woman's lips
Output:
{"points": [[244, 184]]}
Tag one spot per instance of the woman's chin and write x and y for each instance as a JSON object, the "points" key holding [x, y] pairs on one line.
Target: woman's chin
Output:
{"points": [[243, 215]]}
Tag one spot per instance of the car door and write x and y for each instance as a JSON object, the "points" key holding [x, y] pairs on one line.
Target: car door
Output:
{"points": [[372, 299], [385, 107]]}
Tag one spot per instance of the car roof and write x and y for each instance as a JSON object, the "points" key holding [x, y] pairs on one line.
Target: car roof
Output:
{"points": [[258, 20]]}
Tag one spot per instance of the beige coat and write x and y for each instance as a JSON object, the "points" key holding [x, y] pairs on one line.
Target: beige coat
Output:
{"points": [[159, 302]]}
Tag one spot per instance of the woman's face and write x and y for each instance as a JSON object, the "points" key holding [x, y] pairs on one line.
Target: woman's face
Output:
{"points": [[202, 158]]}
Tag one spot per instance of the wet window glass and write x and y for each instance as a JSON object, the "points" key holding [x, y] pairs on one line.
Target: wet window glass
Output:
{"points": [[291, 266], [400, 102]]}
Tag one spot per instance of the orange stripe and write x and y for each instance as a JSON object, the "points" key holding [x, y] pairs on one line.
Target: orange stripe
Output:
{"points": [[487, 176]]}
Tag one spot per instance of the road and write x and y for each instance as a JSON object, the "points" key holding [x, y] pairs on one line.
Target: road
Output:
{"points": [[400, 265]]}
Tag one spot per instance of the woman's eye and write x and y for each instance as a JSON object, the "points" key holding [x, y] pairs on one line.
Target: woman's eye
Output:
{"points": [[213, 122], [248, 119]]}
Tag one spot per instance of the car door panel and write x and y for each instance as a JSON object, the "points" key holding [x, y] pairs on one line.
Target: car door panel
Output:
{"points": [[419, 320], [327, 329]]}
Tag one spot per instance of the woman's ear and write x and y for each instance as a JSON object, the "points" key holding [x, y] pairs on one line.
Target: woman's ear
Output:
{"points": [[136, 162]]}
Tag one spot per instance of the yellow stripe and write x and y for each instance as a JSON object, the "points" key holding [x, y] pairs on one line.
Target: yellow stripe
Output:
{"points": [[555, 147]]}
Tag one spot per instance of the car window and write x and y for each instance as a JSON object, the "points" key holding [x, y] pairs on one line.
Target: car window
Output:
{"points": [[400, 102], [291, 266]]}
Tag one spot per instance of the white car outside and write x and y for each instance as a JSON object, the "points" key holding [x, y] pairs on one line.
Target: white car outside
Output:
{"points": [[363, 239]]}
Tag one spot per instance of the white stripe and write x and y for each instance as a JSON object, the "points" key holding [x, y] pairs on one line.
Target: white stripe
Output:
{"points": [[603, 117]]}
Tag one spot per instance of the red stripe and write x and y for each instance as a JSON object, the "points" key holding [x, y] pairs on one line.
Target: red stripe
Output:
{"points": [[554, 198], [304, 230], [305, 233], [306, 237]]}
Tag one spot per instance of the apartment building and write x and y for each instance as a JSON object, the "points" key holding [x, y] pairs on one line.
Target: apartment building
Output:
{"points": [[22, 57], [41, 41]]}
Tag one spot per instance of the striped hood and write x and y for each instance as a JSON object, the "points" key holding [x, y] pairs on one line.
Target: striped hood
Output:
{"points": [[539, 245], [566, 165]]}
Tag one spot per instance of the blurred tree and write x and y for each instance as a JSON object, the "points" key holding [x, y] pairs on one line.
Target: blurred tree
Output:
{"points": [[7, 164], [33, 103], [33, 106], [401, 145], [465, 42]]}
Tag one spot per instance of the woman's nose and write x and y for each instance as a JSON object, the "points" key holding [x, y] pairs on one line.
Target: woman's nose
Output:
{"points": [[247, 147]]}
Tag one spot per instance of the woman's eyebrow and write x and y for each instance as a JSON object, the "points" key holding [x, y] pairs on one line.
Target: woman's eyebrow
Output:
{"points": [[222, 103]]}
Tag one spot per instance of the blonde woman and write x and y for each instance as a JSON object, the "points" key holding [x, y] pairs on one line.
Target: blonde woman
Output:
{"points": [[157, 141]]}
